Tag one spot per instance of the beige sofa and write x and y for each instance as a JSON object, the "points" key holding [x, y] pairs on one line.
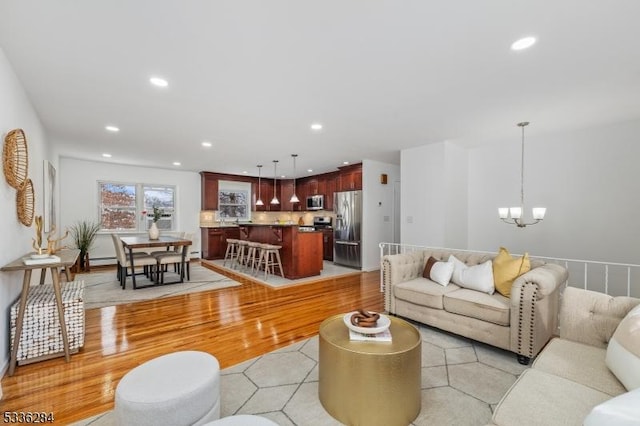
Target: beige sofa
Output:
{"points": [[569, 377], [523, 323]]}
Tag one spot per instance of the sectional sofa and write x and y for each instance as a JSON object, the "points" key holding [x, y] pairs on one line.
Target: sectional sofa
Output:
{"points": [[572, 381]]}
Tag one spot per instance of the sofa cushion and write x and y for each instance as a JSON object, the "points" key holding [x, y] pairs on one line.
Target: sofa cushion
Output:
{"points": [[427, 267], [439, 272], [540, 398], [623, 410], [477, 277], [506, 269], [422, 291], [591, 317], [470, 303], [623, 352], [580, 363]]}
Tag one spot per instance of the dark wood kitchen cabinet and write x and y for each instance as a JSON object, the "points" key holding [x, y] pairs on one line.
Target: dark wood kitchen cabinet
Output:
{"points": [[209, 189], [350, 178], [214, 241]]}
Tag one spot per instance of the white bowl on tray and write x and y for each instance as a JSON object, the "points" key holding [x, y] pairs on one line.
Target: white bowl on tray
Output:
{"points": [[382, 324]]}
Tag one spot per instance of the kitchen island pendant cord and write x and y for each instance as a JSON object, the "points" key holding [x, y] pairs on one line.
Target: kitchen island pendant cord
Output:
{"points": [[294, 197], [275, 200], [259, 200]]}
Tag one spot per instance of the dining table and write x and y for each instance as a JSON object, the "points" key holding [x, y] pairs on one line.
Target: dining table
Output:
{"points": [[64, 259], [131, 243]]}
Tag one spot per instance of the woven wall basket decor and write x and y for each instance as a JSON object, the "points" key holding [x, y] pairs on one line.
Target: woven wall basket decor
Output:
{"points": [[25, 203], [15, 159]]}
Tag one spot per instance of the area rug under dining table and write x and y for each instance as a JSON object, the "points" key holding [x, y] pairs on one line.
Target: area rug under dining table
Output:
{"points": [[103, 288]]}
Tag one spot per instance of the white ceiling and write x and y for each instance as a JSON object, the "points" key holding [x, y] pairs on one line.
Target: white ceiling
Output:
{"points": [[252, 75]]}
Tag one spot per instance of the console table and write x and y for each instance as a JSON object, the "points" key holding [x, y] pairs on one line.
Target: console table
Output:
{"points": [[67, 257]]}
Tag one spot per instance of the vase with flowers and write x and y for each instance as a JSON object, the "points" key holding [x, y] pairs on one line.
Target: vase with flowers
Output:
{"points": [[154, 232]]}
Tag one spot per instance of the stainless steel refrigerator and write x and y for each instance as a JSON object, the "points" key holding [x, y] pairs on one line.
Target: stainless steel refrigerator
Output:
{"points": [[347, 207]]}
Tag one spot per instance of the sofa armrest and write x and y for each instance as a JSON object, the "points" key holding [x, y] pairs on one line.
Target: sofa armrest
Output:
{"points": [[591, 317], [535, 299], [398, 268]]}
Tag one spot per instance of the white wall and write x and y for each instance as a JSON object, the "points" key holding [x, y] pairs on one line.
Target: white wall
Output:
{"points": [[78, 183], [378, 211], [16, 111], [434, 195], [588, 180]]}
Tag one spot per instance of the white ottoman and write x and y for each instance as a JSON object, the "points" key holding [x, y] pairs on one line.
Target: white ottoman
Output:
{"points": [[242, 420], [182, 388]]}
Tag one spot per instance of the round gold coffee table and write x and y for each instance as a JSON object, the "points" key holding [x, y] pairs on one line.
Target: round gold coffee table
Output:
{"points": [[370, 383]]}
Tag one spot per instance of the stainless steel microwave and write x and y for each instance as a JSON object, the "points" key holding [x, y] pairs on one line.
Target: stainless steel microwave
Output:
{"points": [[315, 202]]}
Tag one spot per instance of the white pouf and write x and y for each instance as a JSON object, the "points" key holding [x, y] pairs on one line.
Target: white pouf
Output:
{"points": [[182, 388], [242, 420]]}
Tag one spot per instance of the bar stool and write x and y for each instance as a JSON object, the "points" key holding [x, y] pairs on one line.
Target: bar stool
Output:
{"points": [[243, 249], [270, 259], [231, 253], [254, 254]]}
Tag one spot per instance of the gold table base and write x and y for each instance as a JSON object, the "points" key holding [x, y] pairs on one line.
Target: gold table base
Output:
{"points": [[370, 383]]}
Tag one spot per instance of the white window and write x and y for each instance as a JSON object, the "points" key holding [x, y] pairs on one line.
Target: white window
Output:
{"points": [[130, 206]]}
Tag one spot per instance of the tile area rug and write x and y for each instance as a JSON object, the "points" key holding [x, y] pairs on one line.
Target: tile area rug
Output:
{"points": [[103, 289], [329, 270], [462, 381]]}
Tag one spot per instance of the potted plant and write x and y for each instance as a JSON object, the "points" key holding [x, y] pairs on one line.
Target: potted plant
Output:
{"points": [[84, 233]]}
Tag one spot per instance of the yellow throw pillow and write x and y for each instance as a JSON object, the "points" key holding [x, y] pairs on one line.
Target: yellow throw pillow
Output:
{"points": [[506, 269]]}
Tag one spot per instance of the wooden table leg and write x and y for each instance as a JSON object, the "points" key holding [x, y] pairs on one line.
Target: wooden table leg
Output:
{"points": [[23, 305], [60, 306], [43, 275]]}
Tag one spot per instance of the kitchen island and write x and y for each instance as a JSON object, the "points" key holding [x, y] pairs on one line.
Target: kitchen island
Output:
{"points": [[301, 251]]}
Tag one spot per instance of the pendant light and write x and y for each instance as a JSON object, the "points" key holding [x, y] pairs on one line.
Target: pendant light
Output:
{"points": [[294, 197], [275, 200], [513, 215], [259, 200]]}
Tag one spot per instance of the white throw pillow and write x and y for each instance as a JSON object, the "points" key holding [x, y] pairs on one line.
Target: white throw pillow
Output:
{"points": [[441, 272], [623, 410], [478, 277], [458, 267], [623, 351]]}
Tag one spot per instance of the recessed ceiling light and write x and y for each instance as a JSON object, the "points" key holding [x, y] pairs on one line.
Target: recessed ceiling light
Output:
{"points": [[177, 163], [113, 129], [523, 43], [206, 144], [158, 81], [309, 170], [244, 172], [105, 155], [316, 126], [345, 162]]}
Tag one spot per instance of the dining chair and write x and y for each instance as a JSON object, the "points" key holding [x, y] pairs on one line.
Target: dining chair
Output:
{"points": [[124, 262], [165, 258]]}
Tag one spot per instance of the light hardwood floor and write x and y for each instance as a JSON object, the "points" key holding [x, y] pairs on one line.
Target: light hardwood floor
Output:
{"points": [[234, 324]]}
